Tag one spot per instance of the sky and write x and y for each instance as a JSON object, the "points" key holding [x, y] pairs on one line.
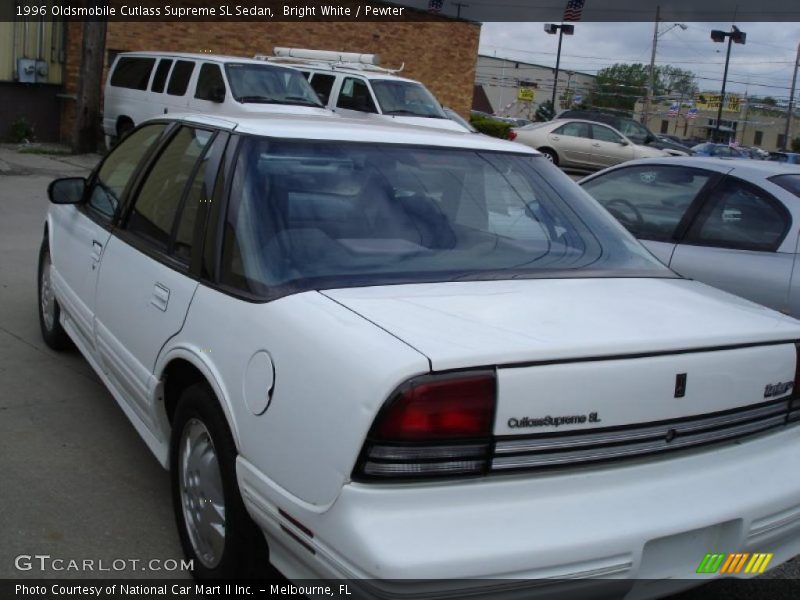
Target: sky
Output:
{"points": [[761, 67]]}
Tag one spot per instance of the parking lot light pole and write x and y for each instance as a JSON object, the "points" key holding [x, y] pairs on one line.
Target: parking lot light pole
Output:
{"points": [[790, 109], [734, 35], [562, 30]]}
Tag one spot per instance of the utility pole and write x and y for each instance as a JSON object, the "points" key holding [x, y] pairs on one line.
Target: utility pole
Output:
{"points": [[790, 110], [652, 84], [87, 105]]}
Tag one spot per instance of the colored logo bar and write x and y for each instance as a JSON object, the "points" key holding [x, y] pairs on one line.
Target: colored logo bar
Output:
{"points": [[736, 562]]}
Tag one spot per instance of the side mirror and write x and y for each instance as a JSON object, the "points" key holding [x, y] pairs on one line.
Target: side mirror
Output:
{"points": [[217, 94], [623, 142], [69, 190]]}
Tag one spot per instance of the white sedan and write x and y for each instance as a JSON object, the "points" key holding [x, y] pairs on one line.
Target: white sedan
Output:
{"points": [[386, 353], [579, 144]]}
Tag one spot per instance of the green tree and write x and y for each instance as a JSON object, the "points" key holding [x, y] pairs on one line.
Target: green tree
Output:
{"points": [[619, 85], [545, 111], [675, 81], [796, 144]]}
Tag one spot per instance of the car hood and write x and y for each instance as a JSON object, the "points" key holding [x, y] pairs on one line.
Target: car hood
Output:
{"points": [[476, 323]]}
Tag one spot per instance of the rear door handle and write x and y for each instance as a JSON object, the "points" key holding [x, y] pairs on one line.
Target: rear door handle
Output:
{"points": [[596, 145], [160, 297], [97, 251]]}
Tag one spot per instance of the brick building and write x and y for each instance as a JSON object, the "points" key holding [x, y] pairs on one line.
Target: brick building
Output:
{"points": [[441, 54]]}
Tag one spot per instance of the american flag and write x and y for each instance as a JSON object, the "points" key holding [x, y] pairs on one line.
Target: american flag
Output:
{"points": [[574, 10], [435, 6], [691, 113], [674, 109]]}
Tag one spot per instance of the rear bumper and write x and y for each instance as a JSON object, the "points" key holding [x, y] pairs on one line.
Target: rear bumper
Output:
{"points": [[640, 522]]}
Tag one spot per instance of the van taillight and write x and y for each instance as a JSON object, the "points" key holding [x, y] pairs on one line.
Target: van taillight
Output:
{"points": [[512, 135], [432, 426]]}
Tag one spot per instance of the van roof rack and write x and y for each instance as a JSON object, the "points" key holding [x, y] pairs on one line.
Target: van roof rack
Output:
{"points": [[328, 58]]}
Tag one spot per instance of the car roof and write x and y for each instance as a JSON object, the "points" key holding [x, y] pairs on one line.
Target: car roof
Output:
{"points": [[755, 169], [335, 127], [205, 57]]}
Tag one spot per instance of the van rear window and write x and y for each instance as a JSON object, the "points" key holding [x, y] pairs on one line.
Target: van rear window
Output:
{"points": [[132, 72]]}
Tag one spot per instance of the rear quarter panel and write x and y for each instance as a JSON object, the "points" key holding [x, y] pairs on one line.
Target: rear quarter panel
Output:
{"points": [[333, 371]]}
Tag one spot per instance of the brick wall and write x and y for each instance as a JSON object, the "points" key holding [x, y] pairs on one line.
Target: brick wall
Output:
{"points": [[441, 54]]}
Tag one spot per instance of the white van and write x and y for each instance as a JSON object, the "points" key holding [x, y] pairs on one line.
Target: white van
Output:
{"points": [[354, 85], [142, 85]]}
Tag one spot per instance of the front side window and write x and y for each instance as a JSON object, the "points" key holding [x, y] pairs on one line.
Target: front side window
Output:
{"points": [[210, 85], [604, 134], [649, 201], [313, 215], [636, 132], [740, 215], [406, 98], [117, 169], [269, 84], [323, 84], [355, 95], [179, 82], [132, 72], [162, 191], [575, 129]]}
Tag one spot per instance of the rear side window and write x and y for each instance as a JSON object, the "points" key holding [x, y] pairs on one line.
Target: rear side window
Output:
{"points": [[355, 96], [210, 85], [179, 82], [161, 194], [742, 216], [323, 84], [790, 183], [576, 129], [161, 75], [132, 72]]}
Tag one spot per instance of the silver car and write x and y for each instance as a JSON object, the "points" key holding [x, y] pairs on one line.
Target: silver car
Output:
{"points": [[728, 223], [575, 143]]}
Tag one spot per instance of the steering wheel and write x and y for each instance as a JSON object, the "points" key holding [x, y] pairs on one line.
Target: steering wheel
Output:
{"points": [[617, 207]]}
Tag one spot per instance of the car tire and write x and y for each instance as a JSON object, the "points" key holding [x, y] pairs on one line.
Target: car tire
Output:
{"points": [[124, 126], [49, 310], [216, 533], [550, 155]]}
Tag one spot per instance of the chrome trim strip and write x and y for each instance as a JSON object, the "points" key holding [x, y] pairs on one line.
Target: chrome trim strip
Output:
{"points": [[589, 438], [629, 450]]}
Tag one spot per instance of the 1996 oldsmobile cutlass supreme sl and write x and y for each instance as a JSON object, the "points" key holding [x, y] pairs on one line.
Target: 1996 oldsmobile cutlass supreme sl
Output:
{"points": [[405, 353]]}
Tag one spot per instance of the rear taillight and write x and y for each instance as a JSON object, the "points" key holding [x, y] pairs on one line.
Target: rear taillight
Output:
{"points": [[512, 135], [432, 426]]}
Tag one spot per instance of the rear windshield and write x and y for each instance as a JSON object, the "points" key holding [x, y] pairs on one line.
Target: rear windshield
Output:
{"points": [[788, 182], [406, 98], [316, 215], [269, 84]]}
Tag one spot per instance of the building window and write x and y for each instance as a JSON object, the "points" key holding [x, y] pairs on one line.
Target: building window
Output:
{"points": [[758, 138], [664, 126]]}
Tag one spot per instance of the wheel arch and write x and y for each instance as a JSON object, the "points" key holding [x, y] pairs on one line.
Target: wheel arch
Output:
{"points": [[179, 368]]}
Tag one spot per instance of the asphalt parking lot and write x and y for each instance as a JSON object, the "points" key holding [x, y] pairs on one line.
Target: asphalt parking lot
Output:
{"points": [[77, 481]]}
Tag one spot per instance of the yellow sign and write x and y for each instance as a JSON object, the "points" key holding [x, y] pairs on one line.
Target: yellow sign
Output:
{"points": [[733, 102], [525, 94]]}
